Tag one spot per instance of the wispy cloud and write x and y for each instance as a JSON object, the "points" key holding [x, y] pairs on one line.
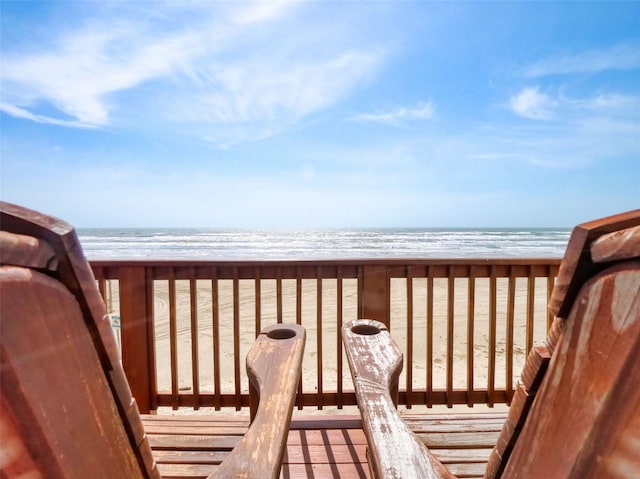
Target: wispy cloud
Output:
{"points": [[255, 89], [19, 112], [397, 116], [607, 104], [228, 72], [585, 131], [619, 57], [84, 67], [260, 12], [533, 104]]}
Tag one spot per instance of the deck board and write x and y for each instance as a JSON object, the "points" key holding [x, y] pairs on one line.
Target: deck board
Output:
{"points": [[318, 446]]}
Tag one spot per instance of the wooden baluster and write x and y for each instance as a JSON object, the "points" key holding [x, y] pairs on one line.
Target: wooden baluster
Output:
{"points": [[511, 294], [339, 400], [195, 374], [236, 340], [258, 301], [300, 397], [450, 332], [215, 320], [429, 336], [491, 370], [279, 295], [409, 327], [173, 341], [471, 291], [531, 297], [319, 333]]}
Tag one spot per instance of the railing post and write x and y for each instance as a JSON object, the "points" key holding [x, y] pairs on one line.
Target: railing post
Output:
{"points": [[375, 298], [136, 316]]}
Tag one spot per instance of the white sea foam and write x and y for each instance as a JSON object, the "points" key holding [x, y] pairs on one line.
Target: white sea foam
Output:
{"points": [[322, 244]]}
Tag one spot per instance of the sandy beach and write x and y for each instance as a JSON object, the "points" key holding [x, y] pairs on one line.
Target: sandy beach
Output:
{"points": [[309, 296]]}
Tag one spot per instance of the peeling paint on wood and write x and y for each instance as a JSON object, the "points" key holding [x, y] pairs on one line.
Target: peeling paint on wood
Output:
{"points": [[376, 362]]}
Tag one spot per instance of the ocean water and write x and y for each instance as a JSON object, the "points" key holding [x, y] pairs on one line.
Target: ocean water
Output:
{"points": [[182, 243]]}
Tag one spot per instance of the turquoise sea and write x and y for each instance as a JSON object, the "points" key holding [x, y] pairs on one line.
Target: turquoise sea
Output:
{"points": [[184, 243]]}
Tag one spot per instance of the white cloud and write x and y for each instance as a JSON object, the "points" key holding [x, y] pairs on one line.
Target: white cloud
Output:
{"points": [[258, 12], [260, 89], [422, 111], [579, 138], [619, 57], [608, 103], [86, 66], [531, 103], [255, 98], [229, 74], [18, 112]]}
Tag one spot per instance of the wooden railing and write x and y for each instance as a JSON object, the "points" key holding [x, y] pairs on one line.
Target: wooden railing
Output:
{"points": [[464, 325]]}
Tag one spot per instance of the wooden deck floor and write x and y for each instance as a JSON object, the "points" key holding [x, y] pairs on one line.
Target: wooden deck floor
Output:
{"points": [[319, 446]]}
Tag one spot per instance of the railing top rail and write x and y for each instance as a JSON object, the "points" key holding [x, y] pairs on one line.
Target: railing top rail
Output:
{"points": [[293, 269], [128, 262]]}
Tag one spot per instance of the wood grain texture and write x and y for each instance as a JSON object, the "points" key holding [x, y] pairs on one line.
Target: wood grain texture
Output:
{"points": [[623, 244], [137, 348], [582, 420], [61, 375], [375, 291], [583, 376], [53, 382], [613, 447], [274, 366], [428, 386], [577, 265], [318, 446], [63, 389], [376, 363], [23, 250]]}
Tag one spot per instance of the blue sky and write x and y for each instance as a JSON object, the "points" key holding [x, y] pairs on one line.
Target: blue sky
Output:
{"points": [[321, 114]]}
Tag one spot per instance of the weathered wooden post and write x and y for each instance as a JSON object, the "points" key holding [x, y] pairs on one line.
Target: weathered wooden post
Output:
{"points": [[138, 354], [375, 296]]}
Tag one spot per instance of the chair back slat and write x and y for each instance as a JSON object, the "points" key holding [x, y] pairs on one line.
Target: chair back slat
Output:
{"points": [[580, 418], [54, 385], [579, 390], [67, 406]]}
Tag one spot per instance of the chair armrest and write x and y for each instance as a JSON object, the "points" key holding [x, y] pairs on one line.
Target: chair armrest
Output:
{"points": [[376, 362], [273, 365]]}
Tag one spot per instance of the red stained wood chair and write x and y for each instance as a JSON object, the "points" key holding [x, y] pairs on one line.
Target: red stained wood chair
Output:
{"points": [[576, 409], [66, 409]]}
